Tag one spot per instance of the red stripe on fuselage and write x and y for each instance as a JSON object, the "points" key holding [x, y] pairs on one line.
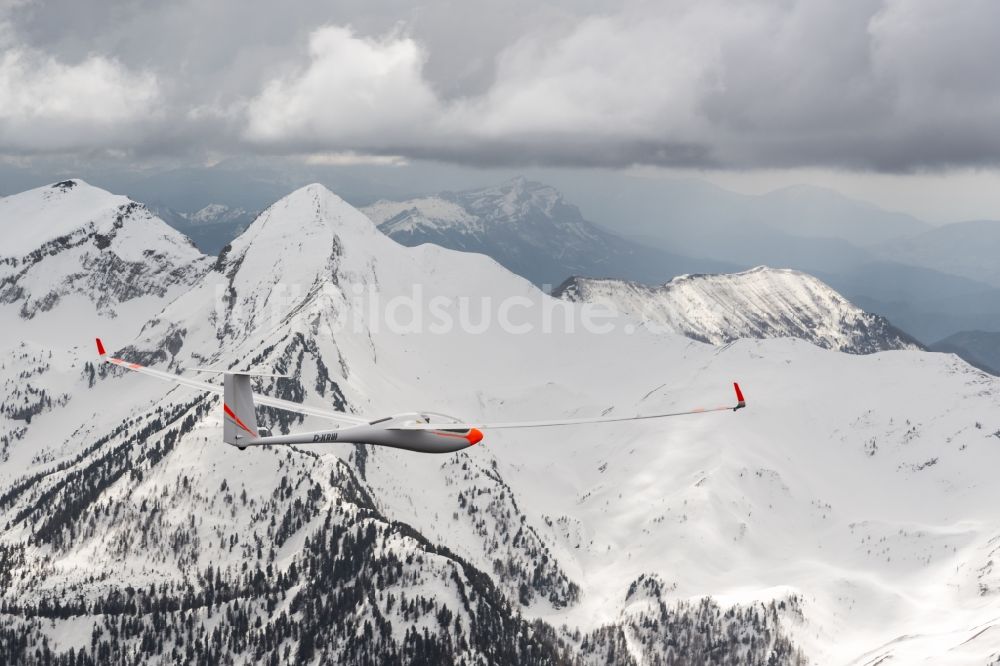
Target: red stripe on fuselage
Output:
{"points": [[474, 436]]}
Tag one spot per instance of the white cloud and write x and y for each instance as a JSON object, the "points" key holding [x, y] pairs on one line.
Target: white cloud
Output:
{"points": [[893, 85], [354, 92], [351, 158], [50, 106], [609, 76], [887, 84]]}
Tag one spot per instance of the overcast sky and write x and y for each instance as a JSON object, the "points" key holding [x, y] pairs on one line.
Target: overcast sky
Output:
{"points": [[897, 101]]}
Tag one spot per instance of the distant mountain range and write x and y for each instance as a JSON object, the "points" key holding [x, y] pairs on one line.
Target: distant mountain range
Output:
{"points": [[687, 213], [929, 281], [856, 248], [530, 229], [967, 249], [978, 348], [210, 227]]}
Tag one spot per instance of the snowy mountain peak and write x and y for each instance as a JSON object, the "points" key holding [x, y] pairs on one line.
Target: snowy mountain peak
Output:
{"points": [[308, 242], [306, 224], [29, 219], [515, 200], [77, 249], [759, 303], [305, 239]]}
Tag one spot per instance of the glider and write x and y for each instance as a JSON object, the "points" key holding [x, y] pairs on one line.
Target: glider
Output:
{"points": [[423, 432]]}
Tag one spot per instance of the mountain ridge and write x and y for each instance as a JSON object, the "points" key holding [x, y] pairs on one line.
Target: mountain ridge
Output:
{"points": [[759, 303], [966, 249]]}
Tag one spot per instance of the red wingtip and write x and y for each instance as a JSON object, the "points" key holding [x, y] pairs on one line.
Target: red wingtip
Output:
{"points": [[739, 393], [100, 347], [475, 435]]}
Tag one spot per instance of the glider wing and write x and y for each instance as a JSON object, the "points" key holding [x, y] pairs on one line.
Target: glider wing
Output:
{"points": [[740, 404]]}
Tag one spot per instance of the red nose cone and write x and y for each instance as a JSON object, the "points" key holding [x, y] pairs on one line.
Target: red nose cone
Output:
{"points": [[475, 436]]}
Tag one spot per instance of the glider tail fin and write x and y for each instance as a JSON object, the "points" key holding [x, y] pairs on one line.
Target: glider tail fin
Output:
{"points": [[240, 416], [740, 402]]}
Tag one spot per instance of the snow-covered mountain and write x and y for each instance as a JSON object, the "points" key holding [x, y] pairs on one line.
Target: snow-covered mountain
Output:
{"points": [[847, 513], [73, 245], [76, 259], [216, 214], [531, 230], [760, 303]]}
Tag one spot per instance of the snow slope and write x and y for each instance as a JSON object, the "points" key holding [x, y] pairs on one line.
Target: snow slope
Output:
{"points": [[759, 303], [847, 512]]}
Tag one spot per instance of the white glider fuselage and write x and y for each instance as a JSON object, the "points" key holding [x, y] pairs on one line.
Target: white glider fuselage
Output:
{"points": [[421, 441]]}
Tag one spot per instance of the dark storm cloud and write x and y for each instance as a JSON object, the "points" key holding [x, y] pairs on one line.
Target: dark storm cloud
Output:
{"points": [[891, 85]]}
